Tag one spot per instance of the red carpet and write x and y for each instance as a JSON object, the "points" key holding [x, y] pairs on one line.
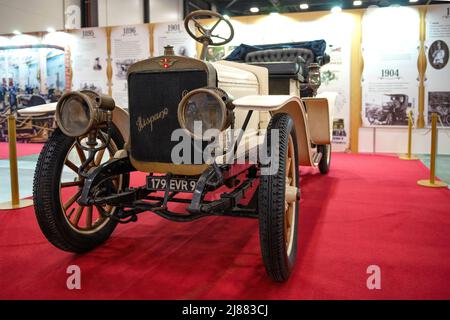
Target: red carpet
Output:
{"points": [[367, 211], [23, 149]]}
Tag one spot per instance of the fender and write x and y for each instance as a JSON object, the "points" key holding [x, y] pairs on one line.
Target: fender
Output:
{"points": [[315, 130], [121, 120], [320, 112]]}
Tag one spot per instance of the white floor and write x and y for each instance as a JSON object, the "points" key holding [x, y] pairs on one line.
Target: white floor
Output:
{"points": [[26, 167], [26, 173]]}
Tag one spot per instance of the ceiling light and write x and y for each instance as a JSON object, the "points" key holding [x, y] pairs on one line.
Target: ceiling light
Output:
{"points": [[357, 3], [336, 9], [17, 32], [254, 9], [304, 6], [412, 1], [51, 30]]}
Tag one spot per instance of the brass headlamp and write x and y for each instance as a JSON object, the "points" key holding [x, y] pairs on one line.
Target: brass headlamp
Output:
{"points": [[203, 109], [79, 112]]}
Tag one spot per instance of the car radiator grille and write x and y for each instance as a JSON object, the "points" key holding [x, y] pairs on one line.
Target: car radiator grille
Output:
{"points": [[150, 94]]}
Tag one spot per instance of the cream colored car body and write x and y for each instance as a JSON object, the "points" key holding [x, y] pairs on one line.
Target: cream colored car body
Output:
{"points": [[249, 86]]}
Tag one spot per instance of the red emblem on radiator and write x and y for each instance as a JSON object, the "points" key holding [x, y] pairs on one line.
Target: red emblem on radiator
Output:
{"points": [[166, 62]]}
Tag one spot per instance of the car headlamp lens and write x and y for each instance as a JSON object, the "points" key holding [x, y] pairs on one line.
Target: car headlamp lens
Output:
{"points": [[202, 110], [79, 112], [75, 116]]}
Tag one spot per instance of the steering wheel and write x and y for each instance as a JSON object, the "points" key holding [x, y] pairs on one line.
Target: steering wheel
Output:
{"points": [[206, 35]]}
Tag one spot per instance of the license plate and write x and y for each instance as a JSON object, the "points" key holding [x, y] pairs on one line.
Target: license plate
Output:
{"points": [[175, 184]]}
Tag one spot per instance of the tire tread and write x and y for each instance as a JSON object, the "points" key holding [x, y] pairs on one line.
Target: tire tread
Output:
{"points": [[271, 198]]}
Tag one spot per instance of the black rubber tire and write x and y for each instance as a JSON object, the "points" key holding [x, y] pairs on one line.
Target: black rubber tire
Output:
{"points": [[271, 205], [325, 162], [47, 206]]}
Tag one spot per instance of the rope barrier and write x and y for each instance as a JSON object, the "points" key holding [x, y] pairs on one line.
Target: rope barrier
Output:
{"points": [[26, 122], [5, 112], [43, 128], [443, 126], [20, 124]]}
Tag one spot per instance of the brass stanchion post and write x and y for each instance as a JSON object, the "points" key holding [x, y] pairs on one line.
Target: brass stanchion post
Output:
{"points": [[409, 155], [13, 171], [15, 202], [432, 183]]}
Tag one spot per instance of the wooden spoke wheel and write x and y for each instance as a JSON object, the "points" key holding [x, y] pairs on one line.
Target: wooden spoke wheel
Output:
{"points": [[290, 197], [84, 219], [278, 200], [58, 186]]}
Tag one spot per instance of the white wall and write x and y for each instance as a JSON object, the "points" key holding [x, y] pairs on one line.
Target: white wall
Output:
{"points": [[166, 10], [119, 12], [29, 16], [32, 16], [394, 140]]}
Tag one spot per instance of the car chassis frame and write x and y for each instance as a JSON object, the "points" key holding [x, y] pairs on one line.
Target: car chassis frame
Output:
{"points": [[214, 177]]}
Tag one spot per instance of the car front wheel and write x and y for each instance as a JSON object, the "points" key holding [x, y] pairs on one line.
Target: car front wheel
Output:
{"points": [[278, 202], [57, 187]]}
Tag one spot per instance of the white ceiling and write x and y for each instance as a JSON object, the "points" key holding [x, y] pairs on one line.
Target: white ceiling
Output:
{"points": [[29, 16]]}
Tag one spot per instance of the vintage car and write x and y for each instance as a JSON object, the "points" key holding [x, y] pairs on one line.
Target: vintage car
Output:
{"points": [[394, 111], [443, 111], [222, 113]]}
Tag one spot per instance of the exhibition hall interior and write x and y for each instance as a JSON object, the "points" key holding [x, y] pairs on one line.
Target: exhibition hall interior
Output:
{"points": [[214, 149]]}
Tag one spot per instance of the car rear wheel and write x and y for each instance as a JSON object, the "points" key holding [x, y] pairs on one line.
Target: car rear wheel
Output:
{"points": [[57, 187], [325, 161], [278, 202]]}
